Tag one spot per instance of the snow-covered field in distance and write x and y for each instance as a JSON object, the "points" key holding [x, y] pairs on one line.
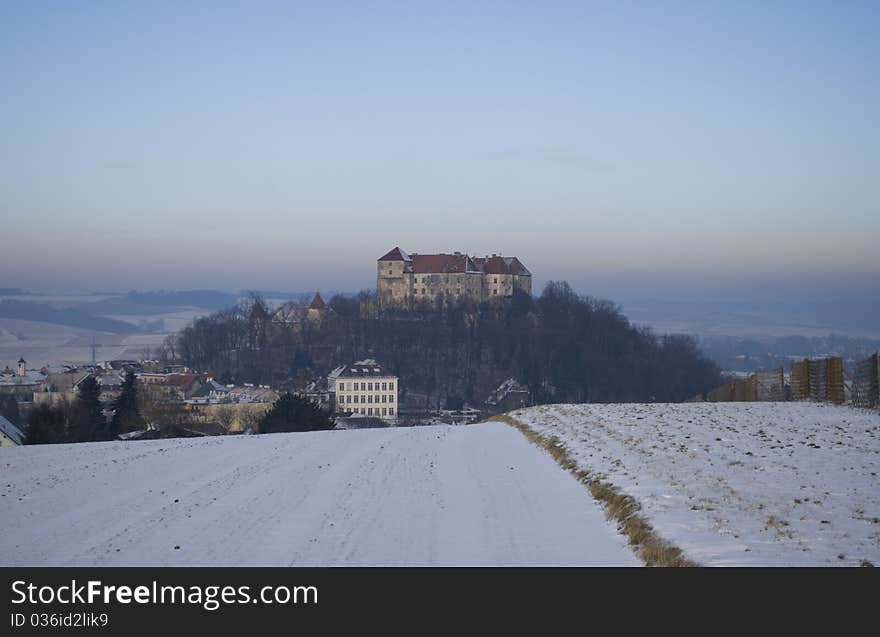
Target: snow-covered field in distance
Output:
{"points": [[737, 483], [440, 495], [50, 344]]}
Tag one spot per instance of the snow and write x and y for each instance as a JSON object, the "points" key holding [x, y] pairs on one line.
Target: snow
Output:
{"points": [[737, 483], [476, 495]]}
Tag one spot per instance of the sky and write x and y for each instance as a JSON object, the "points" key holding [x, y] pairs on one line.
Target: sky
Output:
{"points": [[674, 149]]}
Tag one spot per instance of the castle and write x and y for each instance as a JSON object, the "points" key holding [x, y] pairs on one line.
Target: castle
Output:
{"points": [[403, 279]]}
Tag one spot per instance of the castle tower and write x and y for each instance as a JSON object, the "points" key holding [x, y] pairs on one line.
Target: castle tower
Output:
{"points": [[317, 308]]}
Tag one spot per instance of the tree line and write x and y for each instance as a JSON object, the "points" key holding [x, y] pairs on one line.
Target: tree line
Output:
{"points": [[566, 347], [82, 418]]}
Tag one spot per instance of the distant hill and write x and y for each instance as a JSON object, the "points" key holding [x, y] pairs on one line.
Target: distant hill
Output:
{"points": [[141, 303], [30, 311]]}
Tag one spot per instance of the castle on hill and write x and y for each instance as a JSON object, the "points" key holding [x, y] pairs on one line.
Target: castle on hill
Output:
{"points": [[405, 279]]}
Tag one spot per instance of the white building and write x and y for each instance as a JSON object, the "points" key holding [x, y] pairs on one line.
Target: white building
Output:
{"points": [[365, 388]]}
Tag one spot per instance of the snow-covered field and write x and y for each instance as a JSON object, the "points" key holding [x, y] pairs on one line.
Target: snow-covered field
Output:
{"points": [[437, 495], [737, 483]]}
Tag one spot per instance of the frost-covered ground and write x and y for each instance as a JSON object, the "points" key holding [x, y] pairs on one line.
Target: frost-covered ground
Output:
{"points": [[737, 483], [402, 496]]}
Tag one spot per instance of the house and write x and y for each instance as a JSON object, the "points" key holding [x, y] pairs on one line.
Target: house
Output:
{"points": [[181, 386], [212, 392], [366, 388], [405, 280], [22, 383], [317, 391], [10, 435]]}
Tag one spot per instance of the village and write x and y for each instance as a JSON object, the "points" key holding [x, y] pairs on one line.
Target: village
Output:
{"points": [[177, 401]]}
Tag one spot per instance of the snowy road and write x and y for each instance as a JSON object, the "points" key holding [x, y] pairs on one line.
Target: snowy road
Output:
{"points": [[470, 495]]}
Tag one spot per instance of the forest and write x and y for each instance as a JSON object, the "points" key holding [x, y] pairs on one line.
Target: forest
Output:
{"points": [[565, 347]]}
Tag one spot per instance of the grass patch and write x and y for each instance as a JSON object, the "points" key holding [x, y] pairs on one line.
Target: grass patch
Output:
{"points": [[619, 507]]}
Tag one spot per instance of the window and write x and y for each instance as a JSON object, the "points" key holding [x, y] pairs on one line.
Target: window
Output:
{"points": [[496, 279], [370, 398], [391, 386], [370, 386], [384, 411], [391, 398], [363, 412], [384, 398], [356, 398], [341, 386], [348, 399], [363, 386], [391, 411], [370, 411], [384, 386]]}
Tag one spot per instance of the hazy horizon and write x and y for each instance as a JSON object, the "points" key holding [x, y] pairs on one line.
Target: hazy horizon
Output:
{"points": [[682, 151]]}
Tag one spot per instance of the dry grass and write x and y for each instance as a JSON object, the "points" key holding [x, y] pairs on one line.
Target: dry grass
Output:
{"points": [[623, 509]]}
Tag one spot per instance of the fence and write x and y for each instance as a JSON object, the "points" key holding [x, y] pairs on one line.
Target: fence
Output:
{"points": [[820, 379], [760, 386], [865, 390]]}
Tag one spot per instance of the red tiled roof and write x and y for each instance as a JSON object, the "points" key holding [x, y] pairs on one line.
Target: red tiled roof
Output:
{"points": [[442, 263], [184, 381], [395, 255], [501, 265]]}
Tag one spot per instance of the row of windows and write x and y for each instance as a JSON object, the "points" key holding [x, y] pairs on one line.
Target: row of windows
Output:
{"points": [[368, 411], [367, 386], [367, 399]]}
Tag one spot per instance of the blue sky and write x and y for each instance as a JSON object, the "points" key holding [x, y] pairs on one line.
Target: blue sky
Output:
{"points": [[634, 148]]}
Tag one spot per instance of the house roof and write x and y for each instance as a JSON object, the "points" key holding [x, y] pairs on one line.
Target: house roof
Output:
{"points": [[365, 369], [501, 265], [442, 264], [317, 302], [395, 255], [65, 381], [11, 431], [183, 381]]}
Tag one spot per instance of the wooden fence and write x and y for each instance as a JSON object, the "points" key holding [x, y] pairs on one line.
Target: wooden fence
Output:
{"points": [[759, 386], [820, 379]]}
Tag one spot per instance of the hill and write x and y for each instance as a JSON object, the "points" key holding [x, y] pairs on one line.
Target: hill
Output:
{"points": [[564, 347]]}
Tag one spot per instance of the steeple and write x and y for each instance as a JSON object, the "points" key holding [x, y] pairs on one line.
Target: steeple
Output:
{"points": [[21, 367]]}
